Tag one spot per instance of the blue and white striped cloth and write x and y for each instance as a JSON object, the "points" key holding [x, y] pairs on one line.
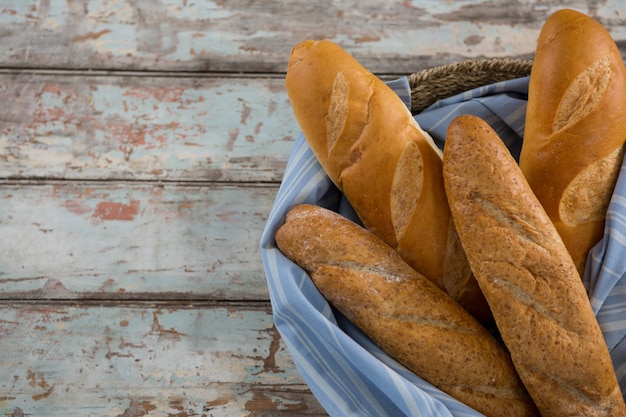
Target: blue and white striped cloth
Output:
{"points": [[349, 375]]}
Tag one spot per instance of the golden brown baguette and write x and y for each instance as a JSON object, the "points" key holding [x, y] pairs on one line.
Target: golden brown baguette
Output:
{"points": [[459, 281], [372, 148], [575, 127], [403, 312], [528, 277]]}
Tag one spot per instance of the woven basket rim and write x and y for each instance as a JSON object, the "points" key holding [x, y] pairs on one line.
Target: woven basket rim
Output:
{"points": [[433, 84]]}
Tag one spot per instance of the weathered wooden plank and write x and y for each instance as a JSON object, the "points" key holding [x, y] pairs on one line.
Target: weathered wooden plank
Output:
{"points": [[237, 35], [133, 127], [147, 361], [71, 240]]}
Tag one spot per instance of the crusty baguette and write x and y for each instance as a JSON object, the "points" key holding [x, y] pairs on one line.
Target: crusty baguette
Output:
{"points": [[372, 148], [403, 312], [459, 281], [575, 127], [528, 277]]}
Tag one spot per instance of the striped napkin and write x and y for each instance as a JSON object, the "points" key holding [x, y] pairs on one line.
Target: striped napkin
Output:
{"points": [[348, 374]]}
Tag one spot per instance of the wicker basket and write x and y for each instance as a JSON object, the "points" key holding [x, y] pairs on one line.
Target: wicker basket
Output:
{"points": [[431, 85], [347, 373]]}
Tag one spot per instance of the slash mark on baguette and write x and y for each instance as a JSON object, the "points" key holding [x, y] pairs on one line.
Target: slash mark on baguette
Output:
{"points": [[581, 396], [485, 391], [379, 272], [342, 132], [440, 324], [587, 196], [337, 110], [513, 221], [584, 94], [521, 296], [406, 188]]}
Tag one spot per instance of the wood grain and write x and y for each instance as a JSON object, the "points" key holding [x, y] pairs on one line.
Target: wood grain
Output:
{"points": [[141, 146], [237, 35], [144, 128], [133, 240], [137, 360]]}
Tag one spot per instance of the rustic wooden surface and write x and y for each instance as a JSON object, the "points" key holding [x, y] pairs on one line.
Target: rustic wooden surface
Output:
{"points": [[141, 146]]}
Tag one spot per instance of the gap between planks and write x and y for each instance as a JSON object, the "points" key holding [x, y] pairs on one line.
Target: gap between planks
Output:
{"points": [[64, 72], [40, 181], [68, 72], [180, 304]]}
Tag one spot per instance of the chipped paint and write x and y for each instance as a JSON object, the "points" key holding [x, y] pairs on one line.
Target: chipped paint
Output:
{"points": [[183, 241], [90, 35], [138, 409], [127, 190], [146, 130], [176, 359], [193, 36], [107, 210]]}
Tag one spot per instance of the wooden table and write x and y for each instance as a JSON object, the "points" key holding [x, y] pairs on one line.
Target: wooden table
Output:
{"points": [[141, 146]]}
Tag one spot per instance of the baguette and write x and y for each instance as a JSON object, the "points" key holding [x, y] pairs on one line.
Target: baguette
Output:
{"points": [[373, 150], [459, 281], [403, 312], [575, 127], [537, 298]]}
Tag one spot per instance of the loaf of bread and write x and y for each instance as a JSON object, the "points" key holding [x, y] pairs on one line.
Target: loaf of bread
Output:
{"points": [[373, 150], [528, 277], [575, 127], [404, 313], [459, 281]]}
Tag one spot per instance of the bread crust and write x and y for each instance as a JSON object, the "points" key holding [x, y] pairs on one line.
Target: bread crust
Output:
{"points": [[575, 127], [528, 277], [459, 280], [403, 312], [372, 148]]}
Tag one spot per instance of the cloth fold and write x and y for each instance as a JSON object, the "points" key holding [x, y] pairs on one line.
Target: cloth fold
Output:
{"points": [[350, 375]]}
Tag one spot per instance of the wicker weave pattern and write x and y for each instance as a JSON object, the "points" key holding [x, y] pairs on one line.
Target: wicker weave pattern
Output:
{"points": [[437, 83]]}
